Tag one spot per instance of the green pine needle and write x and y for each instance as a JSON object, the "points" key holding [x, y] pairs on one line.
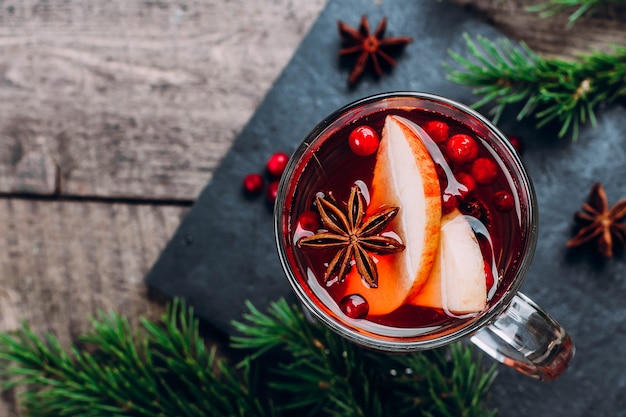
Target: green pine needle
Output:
{"points": [[165, 369], [554, 7], [327, 373], [568, 92]]}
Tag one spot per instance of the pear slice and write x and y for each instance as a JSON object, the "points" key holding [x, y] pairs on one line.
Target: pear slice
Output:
{"points": [[404, 177], [457, 283]]}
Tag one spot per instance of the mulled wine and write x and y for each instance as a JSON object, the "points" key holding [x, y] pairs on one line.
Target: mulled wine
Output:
{"points": [[402, 220]]}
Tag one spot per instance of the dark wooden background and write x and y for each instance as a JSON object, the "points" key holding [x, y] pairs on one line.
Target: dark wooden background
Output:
{"points": [[113, 116]]}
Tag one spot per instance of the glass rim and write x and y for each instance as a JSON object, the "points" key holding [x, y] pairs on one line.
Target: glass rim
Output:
{"points": [[399, 344]]}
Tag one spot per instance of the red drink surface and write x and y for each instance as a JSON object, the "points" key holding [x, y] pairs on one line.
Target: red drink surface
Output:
{"points": [[330, 168]]}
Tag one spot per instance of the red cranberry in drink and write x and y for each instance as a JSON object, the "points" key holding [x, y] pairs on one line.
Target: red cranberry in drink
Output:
{"points": [[503, 201], [517, 143], [461, 149], [363, 141], [354, 306], [484, 171], [253, 184], [437, 130], [272, 190], [448, 203], [276, 164], [488, 275], [468, 181], [309, 221]]}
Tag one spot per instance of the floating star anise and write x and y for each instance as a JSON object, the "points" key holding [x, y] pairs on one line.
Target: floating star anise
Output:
{"points": [[353, 236], [601, 223], [370, 46]]}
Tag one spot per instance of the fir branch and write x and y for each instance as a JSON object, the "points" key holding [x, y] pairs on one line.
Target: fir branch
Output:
{"points": [[328, 373], [553, 7], [550, 89], [163, 370]]}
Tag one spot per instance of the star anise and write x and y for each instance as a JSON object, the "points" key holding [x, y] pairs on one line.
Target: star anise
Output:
{"points": [[370, 46], [353, 236], [601, 223]]}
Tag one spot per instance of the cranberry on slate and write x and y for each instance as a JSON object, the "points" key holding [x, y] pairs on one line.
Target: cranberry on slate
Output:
{"points": [[354, 306], [503, 201], [276, 164], [437, 130], [461, 149], [484, 171], [363, 141], [272, 190], [253, 184]]}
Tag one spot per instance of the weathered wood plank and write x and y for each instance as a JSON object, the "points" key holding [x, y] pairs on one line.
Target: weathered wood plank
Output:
{"points": [[134, 99], [60, 262], [551, 36], [142, 99]]}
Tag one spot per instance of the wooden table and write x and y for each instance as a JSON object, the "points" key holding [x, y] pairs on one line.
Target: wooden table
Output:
{"points": [[113, 116]]}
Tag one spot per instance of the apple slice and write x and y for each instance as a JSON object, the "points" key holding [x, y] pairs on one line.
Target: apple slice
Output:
{"points": [[404, 177], [457, 283]]}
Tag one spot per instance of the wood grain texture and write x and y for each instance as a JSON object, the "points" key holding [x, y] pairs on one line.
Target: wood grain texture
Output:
{"points": [[551, 36], [60, 262], [136, 99]]}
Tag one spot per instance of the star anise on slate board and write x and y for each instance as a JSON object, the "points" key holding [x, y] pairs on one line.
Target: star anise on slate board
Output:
{"points": [[370, 46], [601, 223], [353, 236]]}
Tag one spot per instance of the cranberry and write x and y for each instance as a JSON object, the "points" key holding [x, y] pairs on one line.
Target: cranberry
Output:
{"points": [[437, 130], [309, 221], [468, 181], [503, 201], [489, 279], [354, 306], [448, 203], [363, 141], [276, 164], [461, 149], [253, 184], [271, 191], [484, 171], [517, 143]]}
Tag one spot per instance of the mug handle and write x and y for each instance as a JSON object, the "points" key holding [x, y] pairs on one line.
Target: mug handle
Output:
{"points": [[526, 338]]}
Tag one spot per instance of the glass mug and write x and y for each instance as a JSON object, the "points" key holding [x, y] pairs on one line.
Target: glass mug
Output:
{"points": [[329, 172]]}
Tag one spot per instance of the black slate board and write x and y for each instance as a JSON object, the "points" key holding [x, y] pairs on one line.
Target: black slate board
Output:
{"points": [[224, 253]]}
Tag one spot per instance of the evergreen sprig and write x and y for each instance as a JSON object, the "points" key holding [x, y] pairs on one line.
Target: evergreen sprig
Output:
{"points": [[327, 373], [164, 368], [568, 91], [553, 7]]}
